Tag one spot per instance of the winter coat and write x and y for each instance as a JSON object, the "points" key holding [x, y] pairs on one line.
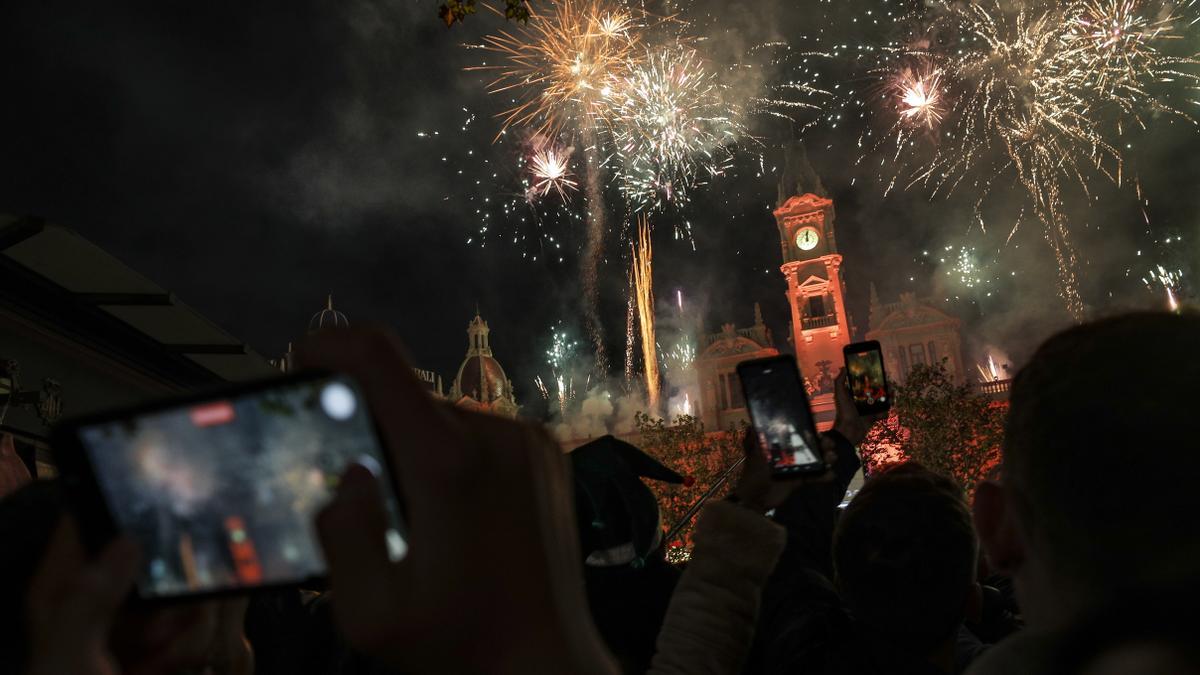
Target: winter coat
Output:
{"points": [[710, 622]]}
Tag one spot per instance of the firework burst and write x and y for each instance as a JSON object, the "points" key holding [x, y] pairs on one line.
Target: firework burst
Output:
{"points": [[1034, 93], [562, 63], [682, 356], [919, 97], [561, 358], [550, 170], [671, 127]]}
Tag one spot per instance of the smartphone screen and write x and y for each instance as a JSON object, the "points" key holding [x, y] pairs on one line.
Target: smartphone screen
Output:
{"points": [[781, 416], [222, 494], [866, 378]]}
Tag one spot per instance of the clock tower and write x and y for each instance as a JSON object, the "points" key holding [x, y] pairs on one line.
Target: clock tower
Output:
{"points": [[812, 267]]}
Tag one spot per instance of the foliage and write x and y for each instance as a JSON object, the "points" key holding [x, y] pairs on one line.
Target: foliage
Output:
{"points": [[456, 11], [948, 427], [685, 447]]}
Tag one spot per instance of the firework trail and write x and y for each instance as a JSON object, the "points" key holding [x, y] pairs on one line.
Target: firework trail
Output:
{"points": [[630, 332], [643, 281], [989, 372]]}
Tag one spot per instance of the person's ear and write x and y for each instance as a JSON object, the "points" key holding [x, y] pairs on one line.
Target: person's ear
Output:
{"points": [[995, 522]]}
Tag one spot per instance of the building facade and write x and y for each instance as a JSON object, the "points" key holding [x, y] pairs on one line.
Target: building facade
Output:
{"points": [[721, 402], [912, 332]]}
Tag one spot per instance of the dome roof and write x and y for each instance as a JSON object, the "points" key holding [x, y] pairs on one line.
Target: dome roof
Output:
{"points": [[481, 378], [328, 318], [481, 382]]}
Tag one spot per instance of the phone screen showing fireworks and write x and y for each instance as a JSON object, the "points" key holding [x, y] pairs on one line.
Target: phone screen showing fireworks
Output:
{"points": [[221, 494], [781, 416], [866, 378]]}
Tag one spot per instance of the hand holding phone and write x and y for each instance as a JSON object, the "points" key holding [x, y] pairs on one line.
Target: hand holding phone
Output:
{"points": [[866, 377], [782, 419], [220, 492]]}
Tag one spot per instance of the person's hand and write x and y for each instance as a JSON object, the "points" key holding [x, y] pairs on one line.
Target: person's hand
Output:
{"points": [[205, 637], [73, 603], [492, 581], [79, 623], [758, 490], [847, 421]]}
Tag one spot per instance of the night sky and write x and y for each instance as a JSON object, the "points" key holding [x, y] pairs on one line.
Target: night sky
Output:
{"points": [[253, 157]]}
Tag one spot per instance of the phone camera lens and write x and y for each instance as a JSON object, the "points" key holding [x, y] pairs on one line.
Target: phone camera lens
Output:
{"points": [[338, 401]]}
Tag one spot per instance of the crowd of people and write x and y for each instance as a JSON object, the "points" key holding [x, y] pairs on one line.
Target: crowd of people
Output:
{"points": [[1081, 555]]}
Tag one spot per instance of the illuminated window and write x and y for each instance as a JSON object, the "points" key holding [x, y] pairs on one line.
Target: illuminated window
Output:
{"points": [[932, 352], [722, 397], [916, 354]]}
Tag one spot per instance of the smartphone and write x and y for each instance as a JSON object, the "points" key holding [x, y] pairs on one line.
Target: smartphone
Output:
{"points": [[781, 415], [220, 491], [866, 377]]}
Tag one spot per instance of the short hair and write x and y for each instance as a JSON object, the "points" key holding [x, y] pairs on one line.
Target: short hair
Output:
{"points": [[904, 553], [1102, 452]]}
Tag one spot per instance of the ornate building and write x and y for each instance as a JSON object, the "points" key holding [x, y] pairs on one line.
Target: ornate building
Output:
{"points": [[912, 332], [481, 383], [722, 404], [816, 293]]}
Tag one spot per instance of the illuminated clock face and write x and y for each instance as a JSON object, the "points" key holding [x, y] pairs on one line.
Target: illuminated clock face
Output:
{"points": [[807, 238]]}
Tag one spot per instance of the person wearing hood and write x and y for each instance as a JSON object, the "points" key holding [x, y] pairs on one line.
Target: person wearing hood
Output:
{"points": [[629, 582]]}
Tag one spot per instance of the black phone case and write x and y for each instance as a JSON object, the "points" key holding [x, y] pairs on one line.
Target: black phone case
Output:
{"points": [[86, 502], [788, 361], [862, 348]]}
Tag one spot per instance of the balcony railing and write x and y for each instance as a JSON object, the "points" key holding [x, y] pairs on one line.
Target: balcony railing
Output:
{"points": [[996, 387], [819, 321]]}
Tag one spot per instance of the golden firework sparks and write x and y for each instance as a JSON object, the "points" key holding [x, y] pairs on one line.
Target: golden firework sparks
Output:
{"points": [[643, 282], [562, 63]]}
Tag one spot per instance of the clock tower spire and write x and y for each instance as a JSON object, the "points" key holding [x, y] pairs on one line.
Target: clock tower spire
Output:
{"points": [[812, 267]]}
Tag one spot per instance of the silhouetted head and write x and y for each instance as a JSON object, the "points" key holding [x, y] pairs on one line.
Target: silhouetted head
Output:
{"points": [[1100, 468], [904, 553]]}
